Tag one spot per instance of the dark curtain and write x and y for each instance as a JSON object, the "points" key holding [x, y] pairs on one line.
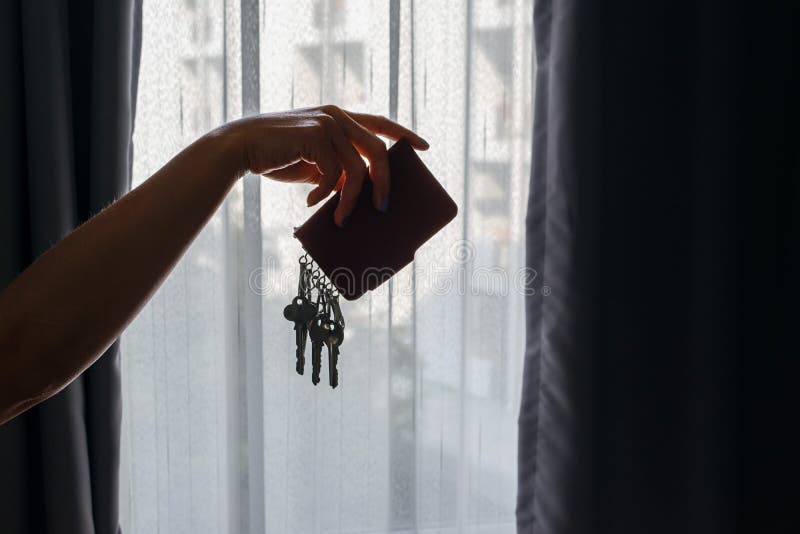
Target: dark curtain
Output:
{"points": [[69, 71], [660, 387]]}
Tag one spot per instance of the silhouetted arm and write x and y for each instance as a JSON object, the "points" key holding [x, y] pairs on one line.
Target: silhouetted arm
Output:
{"points": [[67, 308]]}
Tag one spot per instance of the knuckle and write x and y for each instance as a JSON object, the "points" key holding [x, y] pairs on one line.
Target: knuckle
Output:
{"points": [[377, 148], [326, 120], [316, 130], [357, 172], [330, 109]]}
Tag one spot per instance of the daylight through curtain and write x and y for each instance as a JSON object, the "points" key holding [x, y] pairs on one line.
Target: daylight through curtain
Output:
{"points": [[220, 435]]}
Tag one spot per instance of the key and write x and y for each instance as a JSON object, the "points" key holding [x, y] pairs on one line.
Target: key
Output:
{"points": [[337, 311], [318, 334], [294, 313], [300, 312], [333, 341], [307, 314], [291, 313]]}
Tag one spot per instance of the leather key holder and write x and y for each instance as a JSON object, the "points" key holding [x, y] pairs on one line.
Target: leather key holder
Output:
{"points": [[373, 246]]}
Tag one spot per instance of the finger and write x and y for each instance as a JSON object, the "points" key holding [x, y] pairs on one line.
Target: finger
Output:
{"points": [[301, 171], [340, 183], [320, 151], [388, 128], [369, 145], [355, 171], [318, 194]]}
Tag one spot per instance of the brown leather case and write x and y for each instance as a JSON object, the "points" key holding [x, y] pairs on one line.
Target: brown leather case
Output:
{"points": [[373, 246]]}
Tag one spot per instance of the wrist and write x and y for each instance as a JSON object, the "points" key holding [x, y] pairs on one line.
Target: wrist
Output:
{"points": [[226, 144]]}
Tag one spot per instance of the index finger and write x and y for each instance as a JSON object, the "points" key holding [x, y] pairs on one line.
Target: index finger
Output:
{"points": [[388, 128]]}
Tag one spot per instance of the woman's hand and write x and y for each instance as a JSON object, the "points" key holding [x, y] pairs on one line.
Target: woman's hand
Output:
{"points": [[322, 146]]}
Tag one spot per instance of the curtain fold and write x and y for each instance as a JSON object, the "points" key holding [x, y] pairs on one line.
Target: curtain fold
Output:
{"points": [[67, 106], [663, 216]]}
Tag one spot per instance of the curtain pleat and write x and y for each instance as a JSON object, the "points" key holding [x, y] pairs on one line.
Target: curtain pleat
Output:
{"points": [[67, 108], [662, 215]]}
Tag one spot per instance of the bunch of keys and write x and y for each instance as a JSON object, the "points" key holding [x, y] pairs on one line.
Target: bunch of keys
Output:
{"points": [[315, 313]]}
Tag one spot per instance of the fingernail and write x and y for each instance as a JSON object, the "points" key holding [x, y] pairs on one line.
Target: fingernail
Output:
{"points": [[425, 143], [344, 222], [385, 205]]}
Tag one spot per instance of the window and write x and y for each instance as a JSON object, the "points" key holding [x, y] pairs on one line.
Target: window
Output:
{"points": [[220, 435]]}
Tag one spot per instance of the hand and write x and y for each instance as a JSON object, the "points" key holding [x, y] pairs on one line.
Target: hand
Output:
{"points": [[322, 146]]}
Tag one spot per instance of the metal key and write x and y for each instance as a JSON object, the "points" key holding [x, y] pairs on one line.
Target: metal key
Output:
{"points": [[318, 334], [300, 312], [333, 341], [335, 309], [293, 312]]}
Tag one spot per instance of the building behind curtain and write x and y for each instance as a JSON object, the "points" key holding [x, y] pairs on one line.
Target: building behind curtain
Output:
{"points": [[220, 434]]}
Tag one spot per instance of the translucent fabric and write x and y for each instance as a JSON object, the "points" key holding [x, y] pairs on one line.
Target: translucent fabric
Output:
{"points": [[220, 434]]}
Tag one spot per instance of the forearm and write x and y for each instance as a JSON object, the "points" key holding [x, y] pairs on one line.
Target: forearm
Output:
{"points": [[65, 310]]}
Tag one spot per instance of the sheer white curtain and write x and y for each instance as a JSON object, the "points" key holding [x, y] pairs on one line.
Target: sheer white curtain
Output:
{"points": [[220, 434]]}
